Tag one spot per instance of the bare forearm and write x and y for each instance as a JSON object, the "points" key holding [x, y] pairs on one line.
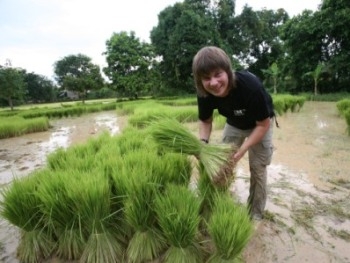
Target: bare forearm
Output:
{"points": [[205, 128], [255, 137]]}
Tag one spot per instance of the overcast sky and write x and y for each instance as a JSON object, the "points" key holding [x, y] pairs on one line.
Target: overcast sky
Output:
{"points": [[36, 33]]}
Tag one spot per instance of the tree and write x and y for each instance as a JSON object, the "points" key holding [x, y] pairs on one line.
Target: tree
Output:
{"points": [[274, 72], [39, 88], [316, 75], [256, 40], [129, 63], [333, 21], [12, 85], [303, 46], [181, 31], [77, 73], [224, 14]]}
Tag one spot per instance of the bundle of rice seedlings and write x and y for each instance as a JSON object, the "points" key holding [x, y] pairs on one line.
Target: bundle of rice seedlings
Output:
{"points": [[56, 193], [133, 140], [207, 192], [230, 229], [92, 202], [171, 135], [146, 243], [22, 208], [175, 168], [178, 216]]}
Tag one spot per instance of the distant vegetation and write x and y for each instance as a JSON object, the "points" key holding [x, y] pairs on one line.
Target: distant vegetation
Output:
{"points": [[304, 53], [141, 112]]}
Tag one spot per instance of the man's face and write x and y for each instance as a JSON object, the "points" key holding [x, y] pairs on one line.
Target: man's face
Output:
{"points": [[216, 83]]}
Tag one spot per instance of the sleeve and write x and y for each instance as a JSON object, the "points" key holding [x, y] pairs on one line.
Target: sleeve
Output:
{"points": [[205, 108]]}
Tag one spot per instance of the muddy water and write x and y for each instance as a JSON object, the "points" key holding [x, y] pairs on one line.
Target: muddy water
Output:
{"points": [[312, 152]]}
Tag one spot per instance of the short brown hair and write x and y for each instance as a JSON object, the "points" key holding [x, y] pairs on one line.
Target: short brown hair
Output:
{"points": [[205, 61]]}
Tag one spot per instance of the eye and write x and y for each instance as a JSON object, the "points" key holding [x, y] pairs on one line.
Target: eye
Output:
{"points": [[218, 73]]}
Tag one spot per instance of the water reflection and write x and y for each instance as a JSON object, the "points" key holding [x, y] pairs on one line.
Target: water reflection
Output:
{"points": [[107, 121], [57, 139], [320, 123]]}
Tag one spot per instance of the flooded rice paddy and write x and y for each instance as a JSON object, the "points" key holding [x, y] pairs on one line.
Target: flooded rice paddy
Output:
{"points": [[307, 218]]}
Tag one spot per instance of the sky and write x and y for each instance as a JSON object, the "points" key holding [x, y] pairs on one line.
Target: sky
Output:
{"points": [[34, 34]]}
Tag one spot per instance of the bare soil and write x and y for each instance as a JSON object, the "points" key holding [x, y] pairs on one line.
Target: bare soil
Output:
{"points": [[307, 217]]}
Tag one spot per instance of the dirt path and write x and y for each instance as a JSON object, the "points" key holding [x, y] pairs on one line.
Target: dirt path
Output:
{"points": [[308, 218]]}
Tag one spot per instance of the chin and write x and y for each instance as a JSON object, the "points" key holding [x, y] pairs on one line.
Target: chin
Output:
{"points": [[220, 93]]}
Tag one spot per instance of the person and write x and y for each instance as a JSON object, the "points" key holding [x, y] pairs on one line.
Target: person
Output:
{"points": [[241, 98]]}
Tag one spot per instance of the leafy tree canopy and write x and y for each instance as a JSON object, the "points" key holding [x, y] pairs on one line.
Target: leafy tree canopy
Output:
{"points": [[129, 63], [12, 85], [77, 73]]}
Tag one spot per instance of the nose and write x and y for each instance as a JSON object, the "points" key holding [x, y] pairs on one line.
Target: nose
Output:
{"points": [[213, 81]]}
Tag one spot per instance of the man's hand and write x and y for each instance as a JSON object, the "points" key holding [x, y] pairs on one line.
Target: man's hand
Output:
{"points": [[226, 173]]}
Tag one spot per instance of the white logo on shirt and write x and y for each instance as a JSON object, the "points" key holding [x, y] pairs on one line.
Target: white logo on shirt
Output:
{"points": [[239, 112]]}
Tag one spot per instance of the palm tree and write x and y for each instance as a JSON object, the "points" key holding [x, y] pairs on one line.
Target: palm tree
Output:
{"points": [[316, 75], [274, 72]]}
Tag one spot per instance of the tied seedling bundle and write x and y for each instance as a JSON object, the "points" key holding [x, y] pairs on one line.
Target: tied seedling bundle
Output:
{"points": [[229, 228], [216, 160], [177, 210], [21, 206]]}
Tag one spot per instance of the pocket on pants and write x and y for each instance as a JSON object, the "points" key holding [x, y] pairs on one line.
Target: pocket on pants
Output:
{"points": [[268, 151]]}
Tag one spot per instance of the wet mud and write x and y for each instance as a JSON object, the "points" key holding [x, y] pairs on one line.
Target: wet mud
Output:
{"points": [[307, 217]]}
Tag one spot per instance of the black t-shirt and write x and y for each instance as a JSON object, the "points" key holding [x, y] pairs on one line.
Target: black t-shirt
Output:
{"points": [[245, 104]]}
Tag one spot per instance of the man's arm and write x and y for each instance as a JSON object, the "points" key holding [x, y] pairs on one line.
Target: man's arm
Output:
{"points": [[256, 136], [205, 128]]}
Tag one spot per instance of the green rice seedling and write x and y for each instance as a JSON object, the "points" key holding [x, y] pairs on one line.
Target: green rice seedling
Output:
{"points": [[184, 114], [22, 208], [142, 120], [179, 101], [145, 246], [178, 216], [80, 157], [171, 135], [102, 246], [60, 213], [56, 159], [133, 140], [175, 168], [16, 126], [229, 228], [342, 106], [347, 119], [92, 201], [146, 243], [207, 192], [219, 122]]}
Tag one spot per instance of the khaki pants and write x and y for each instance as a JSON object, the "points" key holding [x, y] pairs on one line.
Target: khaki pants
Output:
{"points": [[259, 157]]}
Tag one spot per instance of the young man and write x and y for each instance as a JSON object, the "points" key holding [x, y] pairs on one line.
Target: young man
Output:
{"points": [[248, 108]]}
